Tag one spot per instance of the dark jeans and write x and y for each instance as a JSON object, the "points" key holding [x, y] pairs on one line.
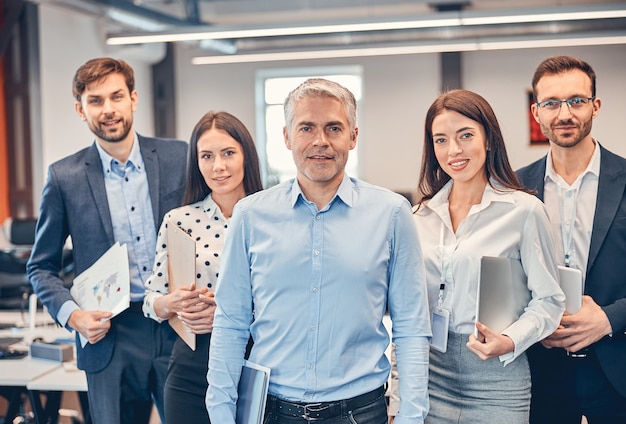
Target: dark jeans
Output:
{"points": [[374, 412]]}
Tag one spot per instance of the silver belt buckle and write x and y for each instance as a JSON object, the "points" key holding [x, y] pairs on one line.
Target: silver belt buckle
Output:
{"points": [[579, 354], [313, 407]]}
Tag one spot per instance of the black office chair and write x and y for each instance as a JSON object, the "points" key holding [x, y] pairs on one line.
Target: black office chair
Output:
{"points": [[19, 236]]}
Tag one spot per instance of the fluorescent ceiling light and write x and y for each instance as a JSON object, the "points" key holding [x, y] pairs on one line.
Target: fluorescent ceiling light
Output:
{"points": [[544, 17], [221, 34], [475, 45], [135, 20], [445, 19], [220, 46]]}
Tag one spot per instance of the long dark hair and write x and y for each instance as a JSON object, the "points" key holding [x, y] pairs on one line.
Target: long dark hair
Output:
{"points": [[196, 188], [432, 178]]}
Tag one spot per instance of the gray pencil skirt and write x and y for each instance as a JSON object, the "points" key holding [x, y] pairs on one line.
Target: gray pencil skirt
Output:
{"points": [[465, 389]]}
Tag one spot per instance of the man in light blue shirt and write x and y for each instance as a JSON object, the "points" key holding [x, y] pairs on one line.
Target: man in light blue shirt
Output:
{"points": [[309, 268]]}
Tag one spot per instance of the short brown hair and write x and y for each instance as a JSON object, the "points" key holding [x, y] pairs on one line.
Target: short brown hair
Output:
{"points": [[99, 68], [559, 64]]}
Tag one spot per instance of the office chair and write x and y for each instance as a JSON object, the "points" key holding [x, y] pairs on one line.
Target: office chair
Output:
{"points": [[18, 237]]}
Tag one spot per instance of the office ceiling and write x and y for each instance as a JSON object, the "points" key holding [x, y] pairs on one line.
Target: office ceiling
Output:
{"points": [[187, 15]]}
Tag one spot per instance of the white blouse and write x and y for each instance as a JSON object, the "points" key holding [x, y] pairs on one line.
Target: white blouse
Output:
{"points": [[510, 224], [204, 222]]}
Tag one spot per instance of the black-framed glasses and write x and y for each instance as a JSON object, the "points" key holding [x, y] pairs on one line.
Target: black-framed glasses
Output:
{"points": [[573, 103]]}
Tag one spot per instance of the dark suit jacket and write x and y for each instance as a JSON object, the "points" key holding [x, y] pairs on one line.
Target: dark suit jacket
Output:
{"points": [[74, 203], [606, 279]]}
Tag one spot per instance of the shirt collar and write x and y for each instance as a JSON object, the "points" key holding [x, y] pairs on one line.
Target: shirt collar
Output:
{"points": [[344, 192], [135, 160], [593, 167], [211, 208], [494, 192]]}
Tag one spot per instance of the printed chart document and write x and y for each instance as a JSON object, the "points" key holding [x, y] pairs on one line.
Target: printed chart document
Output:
{"points": [[502, 292], [252, 391], [571, 281], [105, 285], [181, 252]]}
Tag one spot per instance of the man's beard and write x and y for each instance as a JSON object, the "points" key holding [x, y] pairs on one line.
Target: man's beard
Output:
{"points": [[100, 133], [570, 141]]}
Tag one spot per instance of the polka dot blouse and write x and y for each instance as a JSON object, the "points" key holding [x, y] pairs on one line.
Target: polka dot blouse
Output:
{"points": [[204, 222]]}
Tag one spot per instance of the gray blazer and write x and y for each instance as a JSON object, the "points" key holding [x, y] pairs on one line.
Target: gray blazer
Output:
{"points": [[606, 279], [74, 203]]}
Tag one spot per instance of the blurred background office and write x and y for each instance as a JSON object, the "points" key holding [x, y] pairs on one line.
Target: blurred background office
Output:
{"points": [[245, 55]]}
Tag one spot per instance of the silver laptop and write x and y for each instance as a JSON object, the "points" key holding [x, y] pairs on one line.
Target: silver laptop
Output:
{"points": [[502, 292]]}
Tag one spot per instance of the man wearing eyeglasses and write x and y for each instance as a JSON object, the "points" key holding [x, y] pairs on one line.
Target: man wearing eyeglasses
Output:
{"points": [[581, 368]]}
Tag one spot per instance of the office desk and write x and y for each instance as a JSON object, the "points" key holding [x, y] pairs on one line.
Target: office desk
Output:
{"points": [[15, 374], [62, 379]]}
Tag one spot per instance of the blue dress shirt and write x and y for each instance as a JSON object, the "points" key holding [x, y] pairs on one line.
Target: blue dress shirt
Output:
{"points": [[128, 195], [131, 214], [311, 287]]}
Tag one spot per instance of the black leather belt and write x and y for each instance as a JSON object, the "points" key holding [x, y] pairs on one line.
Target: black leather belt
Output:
{"points": [[582, 353], [321, 410]]}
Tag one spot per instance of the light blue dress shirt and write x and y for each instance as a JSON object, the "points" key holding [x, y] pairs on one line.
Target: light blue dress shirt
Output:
{"points": [[131, 214], [311, 287], [128, 195]]}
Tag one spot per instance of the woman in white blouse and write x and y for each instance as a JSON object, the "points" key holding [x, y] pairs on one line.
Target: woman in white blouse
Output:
{"points": [[471, 205], [222, 168]]}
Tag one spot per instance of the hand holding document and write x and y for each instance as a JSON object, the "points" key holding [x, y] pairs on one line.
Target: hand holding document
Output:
{"points": [[181, 254], [105, 286]]}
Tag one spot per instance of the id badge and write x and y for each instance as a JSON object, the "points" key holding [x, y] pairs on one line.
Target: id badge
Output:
{"points": [[440, 321]]}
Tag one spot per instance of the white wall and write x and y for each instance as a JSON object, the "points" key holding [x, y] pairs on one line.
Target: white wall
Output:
{"points": [[397, 92], [503, 78], [67, 40]]}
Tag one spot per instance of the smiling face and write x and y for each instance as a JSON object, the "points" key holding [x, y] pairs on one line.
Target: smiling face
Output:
{"points": [[460, 147], [565, 127], [320, 140], [221, 163], [107, 106]]}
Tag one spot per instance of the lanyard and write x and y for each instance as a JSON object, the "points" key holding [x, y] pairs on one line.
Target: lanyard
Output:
{"points": [[442, 278], [567, 229], [468, 223]]}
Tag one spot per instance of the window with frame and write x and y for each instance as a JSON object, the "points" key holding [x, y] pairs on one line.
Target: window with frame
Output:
{"points": [[272, 88]]}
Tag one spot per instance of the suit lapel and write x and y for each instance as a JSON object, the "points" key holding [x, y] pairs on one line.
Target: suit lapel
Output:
{"points": [[538, 175], [151, 161], [610, 190], [95, 179]]}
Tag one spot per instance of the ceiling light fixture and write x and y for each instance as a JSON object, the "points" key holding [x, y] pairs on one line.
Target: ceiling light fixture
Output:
{"points": [[475, 45], [443, 19], [134, 20]]}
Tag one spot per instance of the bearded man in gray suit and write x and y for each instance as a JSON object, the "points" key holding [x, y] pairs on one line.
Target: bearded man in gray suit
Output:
{"points": [[116, 190]]}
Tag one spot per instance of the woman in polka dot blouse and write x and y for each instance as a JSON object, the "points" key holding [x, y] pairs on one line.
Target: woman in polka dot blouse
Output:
{"points": [[222, 168]]}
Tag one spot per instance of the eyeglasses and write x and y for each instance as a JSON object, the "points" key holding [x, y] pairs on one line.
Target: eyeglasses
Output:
{"points": [[573, 103]]}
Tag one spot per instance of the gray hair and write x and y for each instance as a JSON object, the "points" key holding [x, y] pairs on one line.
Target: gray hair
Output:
{"points": [[319, 87]]}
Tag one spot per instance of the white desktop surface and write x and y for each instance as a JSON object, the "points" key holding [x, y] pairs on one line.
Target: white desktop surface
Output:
{"points": [[60, 379], [19, 372]]}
